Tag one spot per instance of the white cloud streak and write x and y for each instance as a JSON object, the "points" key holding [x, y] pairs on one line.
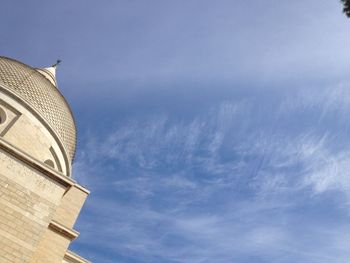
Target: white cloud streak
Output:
{"points": [[222, 187]]}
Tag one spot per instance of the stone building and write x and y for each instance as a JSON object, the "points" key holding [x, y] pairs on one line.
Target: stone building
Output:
{"points": [[39, 200]]}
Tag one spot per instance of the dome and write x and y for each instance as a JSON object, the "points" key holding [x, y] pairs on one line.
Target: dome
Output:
{"points": [[39, 92]]}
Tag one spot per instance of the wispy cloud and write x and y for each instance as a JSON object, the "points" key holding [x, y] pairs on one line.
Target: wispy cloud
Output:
{"points": [[224, 186]]}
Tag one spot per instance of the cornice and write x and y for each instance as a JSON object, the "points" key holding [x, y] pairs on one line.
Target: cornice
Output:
{"points": [[36, 164], [74, 258], [69, 233], [39, 166]]}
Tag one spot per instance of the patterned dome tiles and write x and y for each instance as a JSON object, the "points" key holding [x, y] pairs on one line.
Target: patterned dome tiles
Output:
{"points": [[39, 93]]}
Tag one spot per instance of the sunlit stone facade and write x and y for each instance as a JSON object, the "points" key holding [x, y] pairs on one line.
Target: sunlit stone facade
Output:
{"points": [[39, 201]]}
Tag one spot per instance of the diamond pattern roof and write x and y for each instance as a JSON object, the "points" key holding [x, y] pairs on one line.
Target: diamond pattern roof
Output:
{"points": [[40, 94]]}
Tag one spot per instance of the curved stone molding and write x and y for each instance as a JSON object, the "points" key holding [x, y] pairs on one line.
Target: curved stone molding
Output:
{"points": [[39, 93]]}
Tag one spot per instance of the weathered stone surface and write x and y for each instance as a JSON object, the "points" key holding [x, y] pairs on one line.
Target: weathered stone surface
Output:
{"points": [[39, 202]]}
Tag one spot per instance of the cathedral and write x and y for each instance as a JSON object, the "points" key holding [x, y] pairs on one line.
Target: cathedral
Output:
{"points": [[39, 199]]}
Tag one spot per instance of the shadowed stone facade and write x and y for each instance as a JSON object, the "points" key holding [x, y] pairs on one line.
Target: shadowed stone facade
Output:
{"points": [[39, 201]]}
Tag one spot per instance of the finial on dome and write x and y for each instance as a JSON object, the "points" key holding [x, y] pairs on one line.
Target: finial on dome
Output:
{"points": [[57, 63], [50, 72]]}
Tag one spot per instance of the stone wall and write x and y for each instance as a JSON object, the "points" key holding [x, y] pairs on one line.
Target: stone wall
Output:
{"points": [[38, 208]]}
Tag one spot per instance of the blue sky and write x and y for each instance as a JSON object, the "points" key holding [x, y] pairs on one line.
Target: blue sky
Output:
{"points": [[209, 131]]}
